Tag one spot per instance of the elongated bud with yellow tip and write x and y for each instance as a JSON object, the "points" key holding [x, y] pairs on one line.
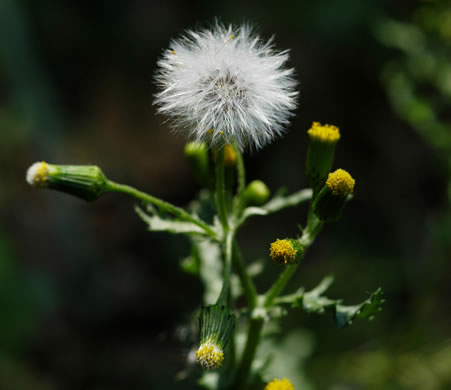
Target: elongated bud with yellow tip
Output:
{"points": [[279, 384], [229, 155], [84, 181], [256, 193], [216, 324], [286, 251], [320, 153], [197, 156], [329, 203]]}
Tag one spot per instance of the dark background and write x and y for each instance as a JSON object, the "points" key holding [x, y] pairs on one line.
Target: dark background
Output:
{"points": [[90, 300]]}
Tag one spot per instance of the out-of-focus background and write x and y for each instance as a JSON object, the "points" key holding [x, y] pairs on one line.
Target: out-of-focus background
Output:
{"points": [[90, 300]]}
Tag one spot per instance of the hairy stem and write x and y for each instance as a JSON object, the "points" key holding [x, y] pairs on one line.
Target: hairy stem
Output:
{"points": [[224, 296], [241, 179], [220, 190], [174, 210], [246, 282], [253, 338]]}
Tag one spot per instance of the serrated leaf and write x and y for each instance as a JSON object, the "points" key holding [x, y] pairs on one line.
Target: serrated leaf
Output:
{"points": [[314, 301], [346, 314], [211, 268], [157, 223], [269, 313]]}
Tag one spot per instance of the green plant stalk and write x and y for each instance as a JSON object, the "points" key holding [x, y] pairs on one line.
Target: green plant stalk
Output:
{"points": [[314, 226], [176, 211], [220, 190], [224, 295], [253, 338], [256, 324], [241, 179], [247, 283]]}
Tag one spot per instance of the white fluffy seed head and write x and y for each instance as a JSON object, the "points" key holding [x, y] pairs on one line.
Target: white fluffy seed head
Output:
{"points": [[38, 174], [224, 85]]}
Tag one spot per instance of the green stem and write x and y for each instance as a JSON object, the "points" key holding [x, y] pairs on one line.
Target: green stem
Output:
{"points": [[220, 190], [280, 284], [246, 282], [241, 179], [176, 211], [224, 295], [253, 338], [256, 324]]}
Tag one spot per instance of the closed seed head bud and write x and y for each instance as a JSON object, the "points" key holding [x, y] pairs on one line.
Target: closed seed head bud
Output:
{"points": [[225, 85], [84, 181], [287, 251], [279, 384], [216, 323], [329, 203], [320, 153]]}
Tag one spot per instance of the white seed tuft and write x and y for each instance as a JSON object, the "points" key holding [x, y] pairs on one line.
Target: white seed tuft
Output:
{"points": [[225, 85], [37, 174]]}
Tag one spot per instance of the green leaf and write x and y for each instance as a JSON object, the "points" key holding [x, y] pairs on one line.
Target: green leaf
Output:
{"points": [[284, 355], [158, 223], [314, 301], [277, 203], [210, 267], [346, 314]]}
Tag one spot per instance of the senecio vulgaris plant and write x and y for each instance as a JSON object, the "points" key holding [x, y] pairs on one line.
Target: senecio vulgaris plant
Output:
{"points": [[230, 92]]}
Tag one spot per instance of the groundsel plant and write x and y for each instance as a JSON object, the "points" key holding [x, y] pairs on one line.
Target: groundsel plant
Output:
{"points": [[231, 92]]}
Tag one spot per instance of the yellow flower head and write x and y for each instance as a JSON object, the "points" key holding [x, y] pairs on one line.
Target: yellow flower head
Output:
{"points": [[283, 252], [340, 183], [279, 384], [324, 133], [209, 356]]}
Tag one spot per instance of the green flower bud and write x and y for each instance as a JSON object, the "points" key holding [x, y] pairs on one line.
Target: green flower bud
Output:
{"points": [[197, 155], [329, 203], [216, 324], [256, 193], [286, 251], [320, 153], [84, 181]]}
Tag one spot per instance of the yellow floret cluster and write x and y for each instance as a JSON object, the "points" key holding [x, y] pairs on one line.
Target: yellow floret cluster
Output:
{"points": [[340, 182], [280, 384], [324, 133], [282, 252], [209, 356]]}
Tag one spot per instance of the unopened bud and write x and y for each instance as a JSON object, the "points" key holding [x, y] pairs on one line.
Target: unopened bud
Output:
{"points": [[84, 181], [331, 200], [286, 251], [320, 153], [256, 193], [216, 324]]}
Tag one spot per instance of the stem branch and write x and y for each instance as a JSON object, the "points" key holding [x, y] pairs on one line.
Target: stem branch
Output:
{"points": [[176, 211]]}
